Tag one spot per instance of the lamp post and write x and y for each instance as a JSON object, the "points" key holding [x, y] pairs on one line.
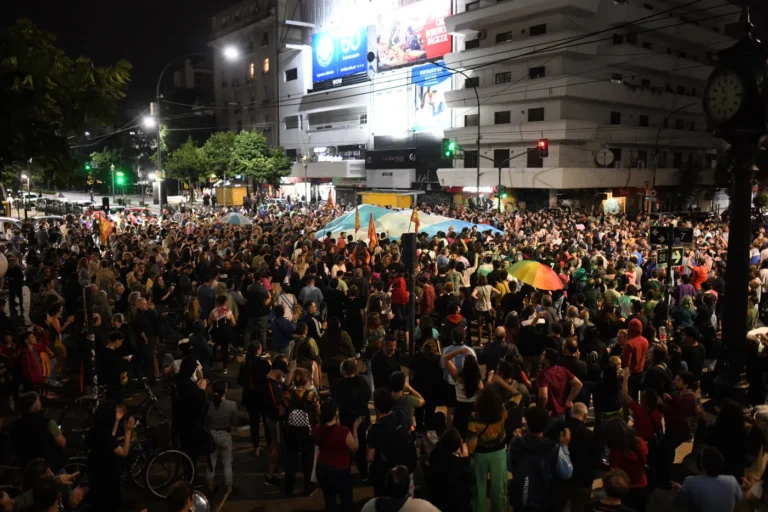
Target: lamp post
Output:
{"points": [[305, 161], [29, 191], [230, 53], [112, 168], [477, 98]]}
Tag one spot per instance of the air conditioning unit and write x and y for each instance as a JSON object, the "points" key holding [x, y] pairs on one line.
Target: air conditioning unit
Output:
{"points": [[481, 34]]}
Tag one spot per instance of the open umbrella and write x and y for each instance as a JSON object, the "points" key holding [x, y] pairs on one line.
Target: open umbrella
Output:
{"points": [[536, 274], [236, 218]]}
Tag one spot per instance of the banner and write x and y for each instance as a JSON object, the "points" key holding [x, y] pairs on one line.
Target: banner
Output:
{"points": [[338, 53], [430, 82], [413, 33]]}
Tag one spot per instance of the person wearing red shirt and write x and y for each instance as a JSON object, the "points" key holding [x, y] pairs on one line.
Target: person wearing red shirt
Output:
{"points": [[553, 382], [629, 453], [334, 442], [682, 412], [29, 362], [633, 356], [428, 297], [699, 273]]}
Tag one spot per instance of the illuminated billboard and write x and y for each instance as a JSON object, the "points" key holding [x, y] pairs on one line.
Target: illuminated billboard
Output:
{"points": [[413, 33], [340, 52], [429, 83]]}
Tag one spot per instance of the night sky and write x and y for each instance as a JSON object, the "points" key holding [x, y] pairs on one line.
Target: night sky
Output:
{"points": [[147, 33]]}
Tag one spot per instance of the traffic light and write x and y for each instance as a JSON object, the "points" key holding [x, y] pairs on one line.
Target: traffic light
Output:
{"points": [[449, 148], [88, 166], [543, 148], [503, 191], [120, 178]]}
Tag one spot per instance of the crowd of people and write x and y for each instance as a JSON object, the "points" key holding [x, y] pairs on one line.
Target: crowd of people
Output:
{"points": [[601, 378]]}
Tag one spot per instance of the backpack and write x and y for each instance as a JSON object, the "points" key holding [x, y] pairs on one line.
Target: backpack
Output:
{"points": [[300, 413], [532, 482], [593, 362], [401, 449], [400, 411]]}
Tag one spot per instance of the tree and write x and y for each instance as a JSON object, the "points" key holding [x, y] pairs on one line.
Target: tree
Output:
{"points": [[217, 152], [253, 157], [46, 96], [760, 200], [188, 163]]}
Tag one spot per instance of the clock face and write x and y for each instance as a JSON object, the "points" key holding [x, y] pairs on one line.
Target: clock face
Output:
{"points": [[724, 96]]}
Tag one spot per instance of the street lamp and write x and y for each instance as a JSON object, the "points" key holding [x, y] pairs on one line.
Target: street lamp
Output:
{"points": [[477, 98], [230, 53], [112, 168], [29, 191], [149, 122], [305, 161]]}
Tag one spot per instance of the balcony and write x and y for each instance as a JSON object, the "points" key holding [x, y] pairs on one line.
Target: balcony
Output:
{"points": [[628, 56], [573, 88], [489, 13], [530, 132], [489, 54], [342, 169]]}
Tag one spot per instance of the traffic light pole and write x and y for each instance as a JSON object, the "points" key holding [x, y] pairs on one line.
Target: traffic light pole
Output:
{"points": [[500, 167]]}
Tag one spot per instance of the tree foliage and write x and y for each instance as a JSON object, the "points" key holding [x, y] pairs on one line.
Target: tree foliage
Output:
{"points": [[218, 152], [46, 96], [253, 157], [188, 163]]}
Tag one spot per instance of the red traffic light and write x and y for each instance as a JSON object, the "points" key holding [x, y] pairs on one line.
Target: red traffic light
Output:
{"points": [[542, 143], [543, 148]]}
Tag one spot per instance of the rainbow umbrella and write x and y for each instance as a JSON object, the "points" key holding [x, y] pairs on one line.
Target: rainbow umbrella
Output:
{"points": [[536, 274]]}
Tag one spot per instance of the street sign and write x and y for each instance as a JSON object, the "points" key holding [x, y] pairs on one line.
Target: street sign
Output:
{"points": [[684, 235], [659, 235], [677, 256], [662, 259]]}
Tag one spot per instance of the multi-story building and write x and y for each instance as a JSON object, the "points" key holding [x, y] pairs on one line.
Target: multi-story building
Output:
{"points": [[361, 92]]}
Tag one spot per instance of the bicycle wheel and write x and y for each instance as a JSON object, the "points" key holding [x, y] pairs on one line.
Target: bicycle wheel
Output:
{"points": [[165, 469], [135, 469]]}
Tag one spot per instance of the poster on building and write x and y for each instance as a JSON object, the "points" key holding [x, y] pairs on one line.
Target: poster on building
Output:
{"points": [[339, 52], [429, 83], [413, 33]]}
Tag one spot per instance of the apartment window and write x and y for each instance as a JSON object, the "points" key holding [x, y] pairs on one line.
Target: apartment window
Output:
{"points": [[642, 156], [265, 39], [291, 153], [648, 6], [239, 125], [632, 38], [647, 45], [537, 72], [681, 89], [503, 37], [500, 157], [470, 159], [693, 93], [535, 114], [291, 74], [645, 83], [265, 66], [617, 78], [618, 39], [538, 30], [471, 6], [679, 124], [677, 160], [643, 120], [616, 155], [292, 123], [471, 119], [364, 118], [471, 44], [472, 82], [503, 78], [533, 159], [502, 117], [615, 117], [708, 55]]}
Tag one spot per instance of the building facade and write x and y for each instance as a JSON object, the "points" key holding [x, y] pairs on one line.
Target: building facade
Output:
{"points": [[344, 85]]}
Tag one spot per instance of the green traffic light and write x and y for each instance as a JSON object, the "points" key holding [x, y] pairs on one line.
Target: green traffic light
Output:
{"points": [[452, 146], [120, 180], [87, 167], [504, 195]]}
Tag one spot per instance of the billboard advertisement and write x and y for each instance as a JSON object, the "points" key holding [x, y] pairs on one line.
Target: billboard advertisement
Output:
{"points": [[429, 83], [340, 52], [413, 33]]}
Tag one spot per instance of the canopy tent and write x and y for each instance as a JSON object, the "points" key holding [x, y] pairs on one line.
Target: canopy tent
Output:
{"points": [[396, 222]]}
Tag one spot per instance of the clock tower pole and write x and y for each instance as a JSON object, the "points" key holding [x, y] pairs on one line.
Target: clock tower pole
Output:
{"points": [[734, 102]]}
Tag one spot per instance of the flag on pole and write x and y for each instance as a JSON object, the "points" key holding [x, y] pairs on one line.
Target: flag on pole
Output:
{"points": [[373, 239], [357, 221], [105, 228], [329, 206], [415, 219]]}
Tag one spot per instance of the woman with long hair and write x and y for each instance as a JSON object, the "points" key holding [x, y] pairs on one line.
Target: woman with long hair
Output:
{"points": [[55, 330], [192, 314], [334, 442], [484, 295], [104, 454], [628, 452], [187, 407], [469, 383], [335, 346], [400, 298], [220, 417], [486, 446], [730, 436]]}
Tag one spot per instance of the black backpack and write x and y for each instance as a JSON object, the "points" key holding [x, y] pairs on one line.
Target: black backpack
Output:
{"points": [[300, 415], [532, 481], [401, 448]]}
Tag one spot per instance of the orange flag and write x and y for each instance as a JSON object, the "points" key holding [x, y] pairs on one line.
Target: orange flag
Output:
{"points": [[329, 206], [415, 219], [373, 239], [105, 228], [357, 221]]}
